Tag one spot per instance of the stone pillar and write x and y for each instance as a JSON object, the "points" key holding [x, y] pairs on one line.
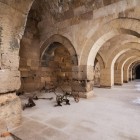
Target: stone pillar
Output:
{"points": [[12, 21], [118, 79], [125, 76], [83, 80], [105, 78]]}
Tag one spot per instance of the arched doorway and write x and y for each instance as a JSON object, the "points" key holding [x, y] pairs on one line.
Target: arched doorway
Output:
{"points": [[58, 63]]}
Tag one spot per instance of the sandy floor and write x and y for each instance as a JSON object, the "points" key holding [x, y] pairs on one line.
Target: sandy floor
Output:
{"points": [[112, 114]]}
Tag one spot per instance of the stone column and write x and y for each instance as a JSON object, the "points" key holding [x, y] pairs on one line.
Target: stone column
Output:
{"points": [[125, 76], [12, 21], [118, 78], [83, 80], [105, 78]]}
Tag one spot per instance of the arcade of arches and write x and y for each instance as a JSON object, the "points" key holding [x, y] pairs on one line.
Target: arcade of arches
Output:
{"points": [[78, 44]]}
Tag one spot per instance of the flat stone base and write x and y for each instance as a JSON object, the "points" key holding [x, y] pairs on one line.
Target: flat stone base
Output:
{"points": [[102, 86], [125, 81], [10, 111], [118, 84], [86, 94]]}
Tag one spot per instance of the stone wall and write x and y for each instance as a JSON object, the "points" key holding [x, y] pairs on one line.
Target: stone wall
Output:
{"points": [[79, 23], [54, 68], [60, 66], [13, 16]]}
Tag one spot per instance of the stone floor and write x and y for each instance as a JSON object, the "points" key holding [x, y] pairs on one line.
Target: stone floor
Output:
{"points": [[112, 114]]}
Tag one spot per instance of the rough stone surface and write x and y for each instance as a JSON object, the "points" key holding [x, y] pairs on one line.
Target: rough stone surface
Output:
{"points": [[10, 108]]}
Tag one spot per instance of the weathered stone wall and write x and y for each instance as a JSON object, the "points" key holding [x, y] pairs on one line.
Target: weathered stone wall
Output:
{"points": [[79, 23], [77, 29], [60, 67], [13, 16]]}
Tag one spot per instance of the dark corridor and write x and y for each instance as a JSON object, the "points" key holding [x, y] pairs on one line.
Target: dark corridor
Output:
{"points": [[138, 72]]}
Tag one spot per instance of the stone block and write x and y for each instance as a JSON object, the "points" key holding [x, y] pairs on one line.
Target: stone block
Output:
{"points": [[29, 62], [75, 69], [61, 74], [10, 108], [86, 94], [30, 86], [45, 74], [53, 64], [74, 21], [57, 70], [34, 68], [82, 85], [12, 61], [28, 80], [26, 68], [13, 82], [37, 80], [79, 10], [68, 74], [47, 69], [34, 63], [66, 69], [23, 62], [24, 73], [58, 58], [87, 15], [75, 75], [45, 79]]}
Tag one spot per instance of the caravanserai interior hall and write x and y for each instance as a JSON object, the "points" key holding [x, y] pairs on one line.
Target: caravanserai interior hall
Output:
{"points": [[69, 69]]}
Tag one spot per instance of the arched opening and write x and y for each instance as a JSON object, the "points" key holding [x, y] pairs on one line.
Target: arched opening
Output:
{"points": [[99, 64], [30, 52], [58, 63], [119, 64], [104, 34], [138, 72]]}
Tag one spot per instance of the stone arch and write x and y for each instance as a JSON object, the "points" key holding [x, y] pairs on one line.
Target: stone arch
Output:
{"points": [[118, 47], [98, 65], [108, 72], [132, 74], [135, 64], [59, 56], [109, 30], [98, 44], [118, 68], [120, 50], [127, 55], [63, 40], [126, 68]]}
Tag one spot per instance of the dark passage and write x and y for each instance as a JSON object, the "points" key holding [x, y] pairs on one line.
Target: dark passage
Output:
{"points": [[138, 72]]}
